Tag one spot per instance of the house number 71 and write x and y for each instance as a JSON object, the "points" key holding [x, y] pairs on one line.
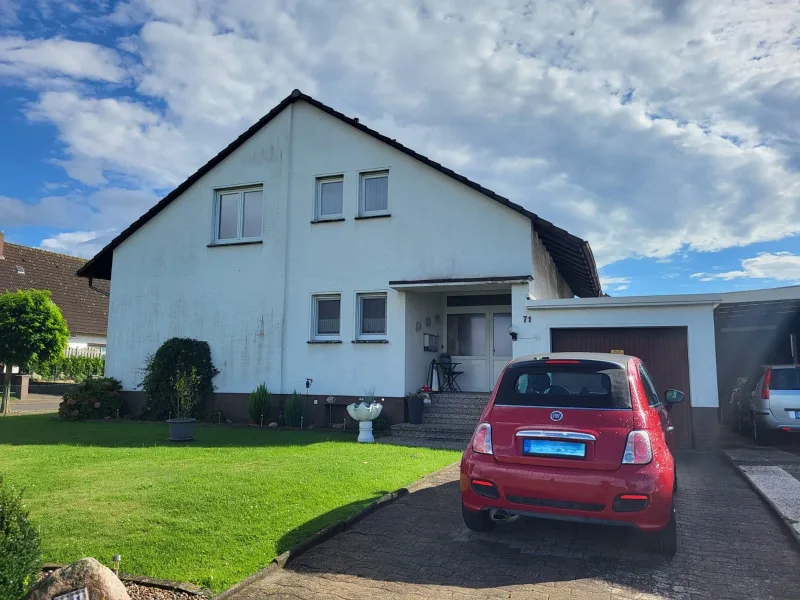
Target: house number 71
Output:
{"points": [[526, 319]]}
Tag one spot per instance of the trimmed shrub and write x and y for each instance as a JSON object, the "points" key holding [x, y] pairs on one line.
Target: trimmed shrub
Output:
{"points": [[95, 398], [20, 556], [259, 404], [173, 361], [74, 368], [293, 410], [381, 424]]}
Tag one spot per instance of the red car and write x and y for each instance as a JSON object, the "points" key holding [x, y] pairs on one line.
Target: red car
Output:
{"points": [[577, 437]]}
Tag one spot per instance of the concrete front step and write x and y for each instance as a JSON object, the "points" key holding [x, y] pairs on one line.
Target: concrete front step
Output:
{"points": [[433, 431], [454, 420]]}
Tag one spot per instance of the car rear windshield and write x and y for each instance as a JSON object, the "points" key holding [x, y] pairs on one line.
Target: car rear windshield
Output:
{"points": [[587, 384], [785, 379]]}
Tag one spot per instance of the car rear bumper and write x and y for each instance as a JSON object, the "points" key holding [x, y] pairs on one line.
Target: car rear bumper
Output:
{"points": [[766, 419], [570, 494]]}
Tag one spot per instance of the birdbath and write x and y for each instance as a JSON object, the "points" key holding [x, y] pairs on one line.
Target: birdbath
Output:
{"points": [[364, 413]]}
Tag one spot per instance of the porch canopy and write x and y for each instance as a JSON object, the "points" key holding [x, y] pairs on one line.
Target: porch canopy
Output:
{"points": [[459, 284]]}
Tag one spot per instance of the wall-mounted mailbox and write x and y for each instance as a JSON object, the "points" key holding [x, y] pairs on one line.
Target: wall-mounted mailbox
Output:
{"points": [[431, 342]]}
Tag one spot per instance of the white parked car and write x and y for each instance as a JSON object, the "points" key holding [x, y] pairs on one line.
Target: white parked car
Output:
{"points": [[775, 403]]}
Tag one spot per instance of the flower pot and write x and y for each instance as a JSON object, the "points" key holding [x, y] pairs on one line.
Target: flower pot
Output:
{"points": [[415, 406], [181, 430]]}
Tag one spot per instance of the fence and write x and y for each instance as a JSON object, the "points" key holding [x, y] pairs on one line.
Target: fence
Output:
{"points": [[90, 351]]}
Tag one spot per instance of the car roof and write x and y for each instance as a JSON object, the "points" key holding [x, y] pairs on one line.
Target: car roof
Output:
{"points": [[619, 359], [786, 366]]}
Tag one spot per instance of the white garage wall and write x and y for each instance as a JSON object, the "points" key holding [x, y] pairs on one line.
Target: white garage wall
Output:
{"points": [[534, 337]]}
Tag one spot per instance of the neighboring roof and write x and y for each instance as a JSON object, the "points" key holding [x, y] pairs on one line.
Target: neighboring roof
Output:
{"points": [[84, 308], [571, 254]]}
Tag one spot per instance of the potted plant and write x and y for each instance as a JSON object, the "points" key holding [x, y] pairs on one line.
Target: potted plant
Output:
{"points": [[365, 411], [415, 402], [185, 400]]}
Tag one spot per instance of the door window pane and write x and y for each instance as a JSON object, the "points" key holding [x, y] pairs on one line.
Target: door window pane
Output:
{"points": [[502, 339], [466, 334], [376, 194], [251, 225], [331, 194], [373, 315], [228, 216]]}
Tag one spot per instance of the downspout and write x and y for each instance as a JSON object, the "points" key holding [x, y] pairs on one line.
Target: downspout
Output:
{"points": [[96, 289]]}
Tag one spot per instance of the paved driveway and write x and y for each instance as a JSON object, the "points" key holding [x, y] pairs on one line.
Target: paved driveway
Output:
{"points": [[36, 403], [730, 546]]}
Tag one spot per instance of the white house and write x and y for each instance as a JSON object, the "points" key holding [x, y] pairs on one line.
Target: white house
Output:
{"points": [[314, 248]]}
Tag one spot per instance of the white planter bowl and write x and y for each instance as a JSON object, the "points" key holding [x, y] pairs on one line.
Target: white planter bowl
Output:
{"points": [[364, 413]]}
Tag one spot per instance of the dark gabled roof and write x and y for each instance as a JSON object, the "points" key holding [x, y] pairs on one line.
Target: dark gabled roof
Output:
{"points": [[571, 254], [84, 308]]}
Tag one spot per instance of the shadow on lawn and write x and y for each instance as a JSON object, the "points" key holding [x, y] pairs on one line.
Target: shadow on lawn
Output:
{"points": [[48, 430]]}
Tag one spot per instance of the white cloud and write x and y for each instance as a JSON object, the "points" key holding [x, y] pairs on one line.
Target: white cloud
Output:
{"points": [[780, 266], [35, 59], [621, 288], [609, 281], [78, 243], [645, 127]]}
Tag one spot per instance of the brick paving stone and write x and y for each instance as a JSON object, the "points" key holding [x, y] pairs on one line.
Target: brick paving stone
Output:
{"points": [[729, 546]]}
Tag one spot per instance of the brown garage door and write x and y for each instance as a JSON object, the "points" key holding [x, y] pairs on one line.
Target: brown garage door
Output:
{"points": [[663, 349]]}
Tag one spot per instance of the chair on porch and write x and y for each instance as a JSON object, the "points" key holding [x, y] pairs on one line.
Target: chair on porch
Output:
{"points": [[449, 373]]}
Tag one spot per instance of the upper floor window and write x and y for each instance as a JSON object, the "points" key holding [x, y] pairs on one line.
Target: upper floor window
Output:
{"points": [[374, 193], [330, 196], [237, 214]]}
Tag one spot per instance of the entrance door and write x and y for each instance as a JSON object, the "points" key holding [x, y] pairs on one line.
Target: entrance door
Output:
{"points": [[479, 342], [501, 344]]}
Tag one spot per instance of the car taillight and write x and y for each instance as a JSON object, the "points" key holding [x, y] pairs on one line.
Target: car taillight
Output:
{"points": [[765, 386], [638, 450], [482, 439]]}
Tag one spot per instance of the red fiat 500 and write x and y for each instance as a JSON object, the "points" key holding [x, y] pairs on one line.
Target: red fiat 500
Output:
{"points": [[581, 437]]}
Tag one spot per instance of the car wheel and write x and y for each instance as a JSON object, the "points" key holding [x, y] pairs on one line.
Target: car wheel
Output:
{"points": [[477, 521], [761, 436], [665, 542]]}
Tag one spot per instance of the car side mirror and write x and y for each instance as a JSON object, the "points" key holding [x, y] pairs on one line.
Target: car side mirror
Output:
{"points": [[673, 397]]}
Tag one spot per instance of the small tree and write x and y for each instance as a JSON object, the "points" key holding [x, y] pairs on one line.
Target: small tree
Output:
{"points": [[293, 410], [187, 397], [259, 404], [32, 328]]}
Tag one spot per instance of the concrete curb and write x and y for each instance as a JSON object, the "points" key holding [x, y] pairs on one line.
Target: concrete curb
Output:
{"points": [[786, 523], [280, 561]]}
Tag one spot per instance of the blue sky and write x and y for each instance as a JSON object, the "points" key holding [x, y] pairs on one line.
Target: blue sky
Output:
{"points": [[665, 132]]}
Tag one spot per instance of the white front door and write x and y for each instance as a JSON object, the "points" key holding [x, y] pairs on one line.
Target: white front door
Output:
{"points": [[501, 344], [478, 340]]}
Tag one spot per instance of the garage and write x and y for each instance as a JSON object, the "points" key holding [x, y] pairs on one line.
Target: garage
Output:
{"points": [[664, 350]]}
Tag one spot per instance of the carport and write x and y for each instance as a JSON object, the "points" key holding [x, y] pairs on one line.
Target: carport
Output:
{"points": [[752, 329]]}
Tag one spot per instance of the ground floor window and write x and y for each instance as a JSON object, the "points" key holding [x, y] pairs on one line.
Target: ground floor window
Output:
{"points": [[371, 317]]}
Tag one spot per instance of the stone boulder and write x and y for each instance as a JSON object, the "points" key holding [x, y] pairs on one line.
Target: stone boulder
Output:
{"points": [[99, 581]]}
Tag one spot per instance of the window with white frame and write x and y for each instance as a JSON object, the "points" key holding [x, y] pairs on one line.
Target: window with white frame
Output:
{"points": [[374, 193], [329, 198], [237, 214], [327, 316], [371, 317]]}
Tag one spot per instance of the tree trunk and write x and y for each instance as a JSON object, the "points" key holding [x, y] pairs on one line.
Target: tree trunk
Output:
{"points": [[7, 393]]}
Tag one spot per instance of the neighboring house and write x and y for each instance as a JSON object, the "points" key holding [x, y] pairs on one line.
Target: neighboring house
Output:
{"points": [[316, 248], [84, 308]]}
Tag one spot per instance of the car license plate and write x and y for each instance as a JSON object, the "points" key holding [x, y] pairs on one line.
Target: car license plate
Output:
{"points": [[553, 448], [797, 414]]}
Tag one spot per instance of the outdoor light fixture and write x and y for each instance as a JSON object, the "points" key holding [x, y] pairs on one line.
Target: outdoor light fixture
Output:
{"points": [[513, 331], [117, 558]]}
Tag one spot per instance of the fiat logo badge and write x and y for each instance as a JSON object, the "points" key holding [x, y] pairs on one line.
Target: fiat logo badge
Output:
{"points": [[556, 415]]}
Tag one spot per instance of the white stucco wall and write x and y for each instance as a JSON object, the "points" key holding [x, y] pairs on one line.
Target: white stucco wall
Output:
{"points": [[547, 280], [534, 337], [81, 340], [253, 303], [422, 308]]}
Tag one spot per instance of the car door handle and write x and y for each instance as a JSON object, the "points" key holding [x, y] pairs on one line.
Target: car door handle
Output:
{"points": [[670, 428]]}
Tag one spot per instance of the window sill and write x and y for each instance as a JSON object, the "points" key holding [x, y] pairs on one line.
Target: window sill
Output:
{"points": [[370, 341], [242, 243], [363, 217], [337, 220], [324, 342]]}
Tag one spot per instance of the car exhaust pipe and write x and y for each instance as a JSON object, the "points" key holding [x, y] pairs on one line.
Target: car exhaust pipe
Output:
{"points": [[498, 515]]}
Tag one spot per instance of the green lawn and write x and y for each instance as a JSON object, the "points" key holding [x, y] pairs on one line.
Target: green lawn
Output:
{"points": [[210, 512]]}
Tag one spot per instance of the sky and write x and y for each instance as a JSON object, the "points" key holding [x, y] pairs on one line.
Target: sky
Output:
{"points": [[665, 132]]}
